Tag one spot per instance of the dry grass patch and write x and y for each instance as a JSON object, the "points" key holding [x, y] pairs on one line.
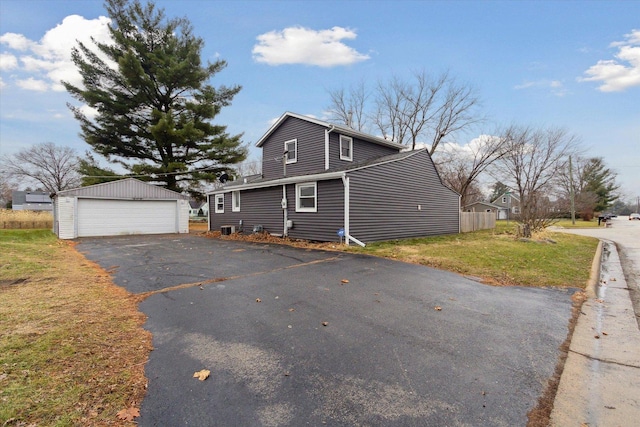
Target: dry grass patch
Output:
{"points": [[72, 347], [10, 219]]}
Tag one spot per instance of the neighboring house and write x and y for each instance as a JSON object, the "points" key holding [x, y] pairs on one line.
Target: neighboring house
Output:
{"points": [[126, 206], [198, 209], [320, 181], [31, 201], [508, 205], [481, 207]]}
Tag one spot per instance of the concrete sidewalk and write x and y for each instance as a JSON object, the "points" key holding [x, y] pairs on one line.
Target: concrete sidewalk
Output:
{"points": [[600, 384]]}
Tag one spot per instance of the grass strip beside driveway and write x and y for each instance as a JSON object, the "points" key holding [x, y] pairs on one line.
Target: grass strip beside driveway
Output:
{"points": [[72, 346]]}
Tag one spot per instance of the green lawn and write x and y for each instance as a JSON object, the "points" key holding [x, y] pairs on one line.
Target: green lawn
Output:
{"points": [[498, 257]]}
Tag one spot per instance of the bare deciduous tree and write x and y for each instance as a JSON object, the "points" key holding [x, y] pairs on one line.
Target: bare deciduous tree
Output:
{"points": [[461, 166], [50, 166], [349, 107], [423, 109], [533, 160]]}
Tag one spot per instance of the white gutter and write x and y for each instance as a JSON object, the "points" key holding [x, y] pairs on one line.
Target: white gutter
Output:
{"points": [[306, 178]]}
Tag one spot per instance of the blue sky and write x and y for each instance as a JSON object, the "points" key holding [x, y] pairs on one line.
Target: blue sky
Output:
{"points": [[572, 64]]}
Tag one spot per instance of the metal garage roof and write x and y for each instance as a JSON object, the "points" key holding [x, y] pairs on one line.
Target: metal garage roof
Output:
{"points": [[128, 188]]}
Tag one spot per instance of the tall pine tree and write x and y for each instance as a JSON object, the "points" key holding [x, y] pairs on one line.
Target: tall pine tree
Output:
{"points": [[154, 102]]}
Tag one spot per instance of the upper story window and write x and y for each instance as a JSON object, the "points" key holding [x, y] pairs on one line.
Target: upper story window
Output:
{"points": [[504, 199], [219, 203], [346, 148], [291, 150], [235, 201], [306, 197]]}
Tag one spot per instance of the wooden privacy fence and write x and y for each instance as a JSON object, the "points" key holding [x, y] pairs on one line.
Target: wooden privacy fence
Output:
{"points": [[473, 221], [14, 224]]}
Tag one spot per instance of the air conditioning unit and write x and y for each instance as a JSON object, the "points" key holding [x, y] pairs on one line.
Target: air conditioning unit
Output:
{"points": [[227, 230]]}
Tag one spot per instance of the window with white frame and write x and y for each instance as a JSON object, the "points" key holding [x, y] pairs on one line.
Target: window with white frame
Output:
{"points": [[219, 203], [306, 197], [346, 148], [235, 201], [504, 199], [291, 150]]}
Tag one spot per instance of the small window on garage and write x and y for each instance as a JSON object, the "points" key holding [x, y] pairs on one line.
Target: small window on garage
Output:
{"points": [[291, 151], [346, 148], [219, 200], [235, 201], [306, 200]]}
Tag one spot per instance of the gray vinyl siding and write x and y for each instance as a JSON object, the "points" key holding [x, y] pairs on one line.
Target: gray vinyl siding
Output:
{"points": [[362, 151], [384, 201], [257, 207], [310, 138], [324, 224]]}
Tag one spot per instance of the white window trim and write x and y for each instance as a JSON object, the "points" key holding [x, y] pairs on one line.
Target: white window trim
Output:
{"points": [[504, 199], [295, 151], [315, 190], [350, 141], [215, 200], [235, 200]]}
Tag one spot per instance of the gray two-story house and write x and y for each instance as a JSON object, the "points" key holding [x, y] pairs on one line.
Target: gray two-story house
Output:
{"points": [[322, 181]]}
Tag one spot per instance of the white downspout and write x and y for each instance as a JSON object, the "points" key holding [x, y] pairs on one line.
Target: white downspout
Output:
{"points": [[347, 234], [208, 213], [285, 233], [326, 146]]}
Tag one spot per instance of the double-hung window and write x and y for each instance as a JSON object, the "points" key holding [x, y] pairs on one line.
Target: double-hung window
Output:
{"points": [[306, 197], [346, 148], [235, 201], [219, 203], [291, 151]]}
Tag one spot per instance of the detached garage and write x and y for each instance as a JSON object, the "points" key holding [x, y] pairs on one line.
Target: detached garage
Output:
{"points": [[127, 206]]}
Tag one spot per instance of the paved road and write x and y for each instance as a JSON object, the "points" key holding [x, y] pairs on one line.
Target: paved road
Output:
{"points": [[600, 385], [386, 356]]}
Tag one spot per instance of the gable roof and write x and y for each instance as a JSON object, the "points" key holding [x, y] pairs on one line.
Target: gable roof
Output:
{"points": [[127, 188], [491, 205], [20, 197], [319, 175], [344, 130], [511, 193]]}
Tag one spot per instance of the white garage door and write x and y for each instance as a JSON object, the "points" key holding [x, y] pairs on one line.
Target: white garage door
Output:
{"points": [[113, 217]]}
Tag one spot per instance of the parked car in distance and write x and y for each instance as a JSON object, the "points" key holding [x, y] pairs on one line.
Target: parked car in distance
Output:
{"points": [[634, 216]]}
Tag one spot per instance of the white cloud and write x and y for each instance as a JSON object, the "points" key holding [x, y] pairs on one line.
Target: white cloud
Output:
{"points": [[33, 84], [2, 83], [43, 64], [8, 62], [621, 73], [555, 86], [298, 45]]}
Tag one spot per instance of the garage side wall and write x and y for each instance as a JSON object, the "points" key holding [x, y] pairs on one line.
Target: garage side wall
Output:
{"points": [[65, 226], [183, 216]]}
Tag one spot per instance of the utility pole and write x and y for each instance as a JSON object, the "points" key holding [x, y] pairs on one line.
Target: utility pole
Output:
{"points": [[572, 194]]}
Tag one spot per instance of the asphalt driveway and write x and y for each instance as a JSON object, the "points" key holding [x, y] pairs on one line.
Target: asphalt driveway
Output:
{"points": [[289, 344]]}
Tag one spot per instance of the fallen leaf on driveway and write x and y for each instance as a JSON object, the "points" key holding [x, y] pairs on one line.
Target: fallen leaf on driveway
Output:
{"points": [[202, 375], [258, 300], [325, 323], [128, 414], [437, 308], [344, 281]]}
